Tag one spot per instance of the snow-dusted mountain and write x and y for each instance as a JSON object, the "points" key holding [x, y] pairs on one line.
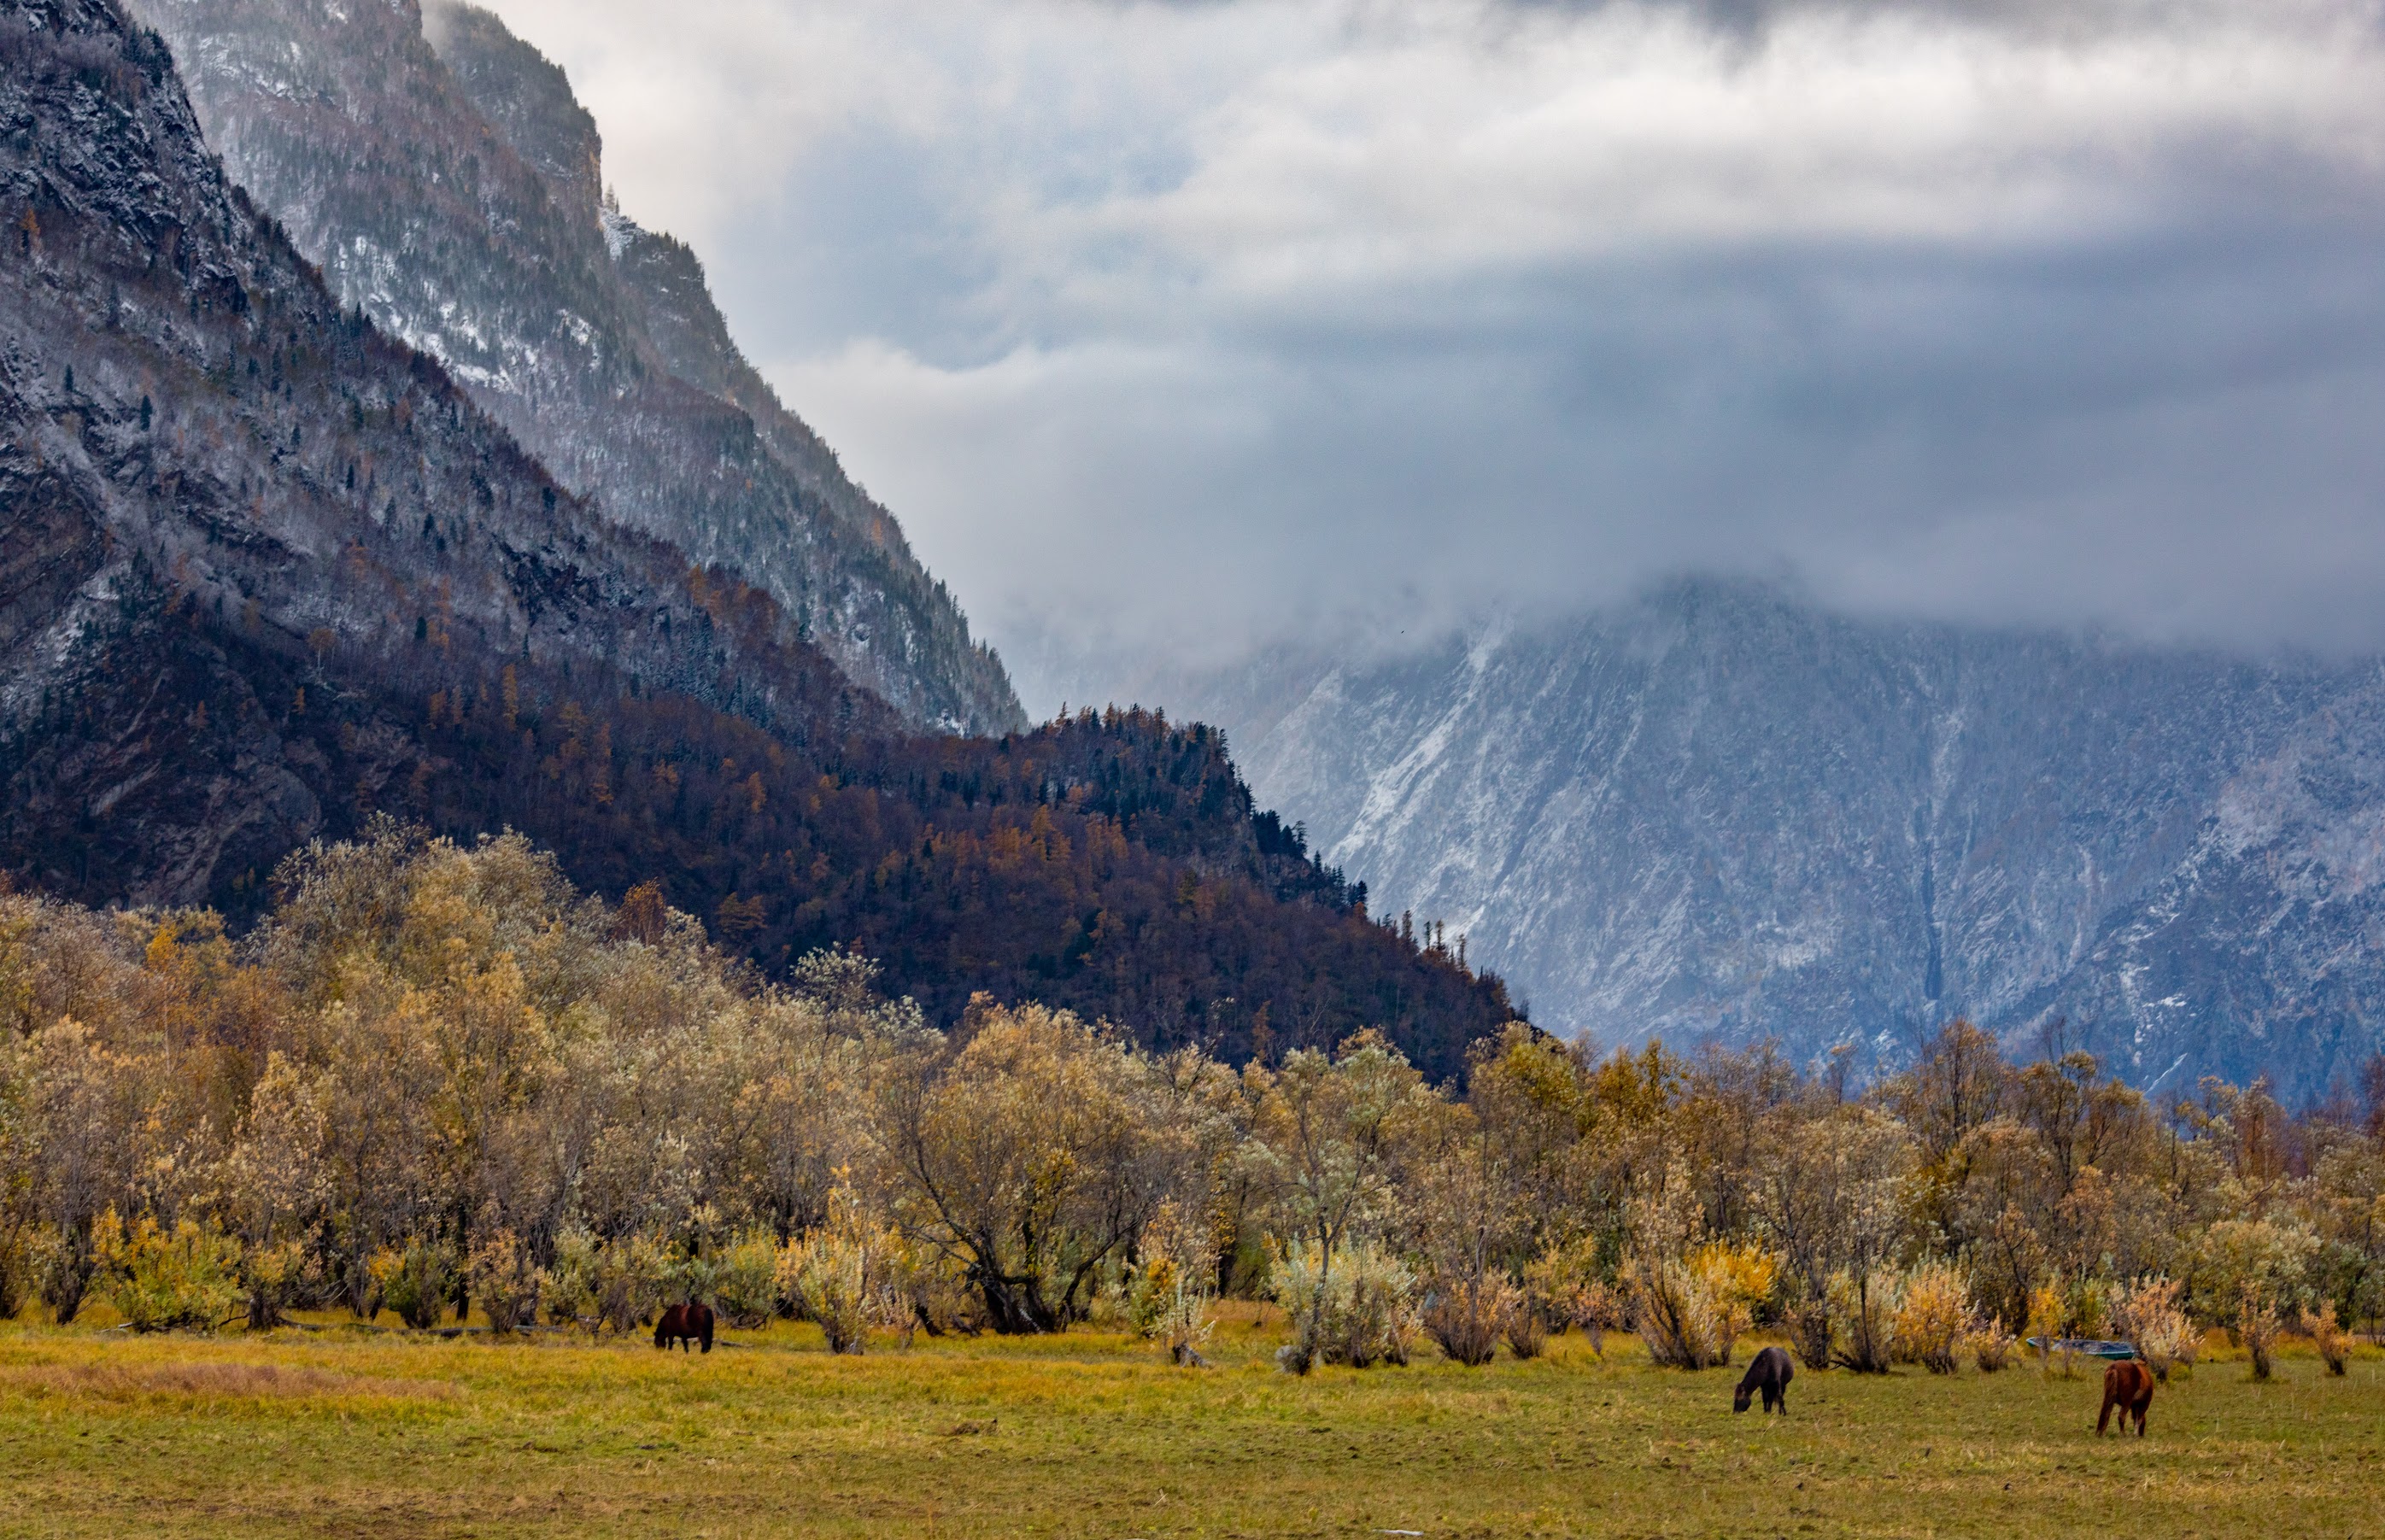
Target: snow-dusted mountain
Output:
{"points": [[267, 574], [253, 554], [441, 173], [1719, 812]]}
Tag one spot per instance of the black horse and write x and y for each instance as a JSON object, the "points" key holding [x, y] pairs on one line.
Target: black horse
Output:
{"points": [[1770, 1373]]}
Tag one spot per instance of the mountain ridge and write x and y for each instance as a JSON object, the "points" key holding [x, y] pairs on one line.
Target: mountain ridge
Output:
{"points": [[1720, 813], [247, 493], [441, 174], [268, 575]]}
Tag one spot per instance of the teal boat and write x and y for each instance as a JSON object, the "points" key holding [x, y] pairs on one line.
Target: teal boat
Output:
{"points": [[2086, 1348]]}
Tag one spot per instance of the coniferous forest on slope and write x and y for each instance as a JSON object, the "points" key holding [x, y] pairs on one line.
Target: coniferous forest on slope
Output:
{"points": [[270, 574], [1112, 864]]}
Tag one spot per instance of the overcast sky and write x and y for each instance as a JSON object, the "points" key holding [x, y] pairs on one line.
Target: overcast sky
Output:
{"points": [[1183, 323]]}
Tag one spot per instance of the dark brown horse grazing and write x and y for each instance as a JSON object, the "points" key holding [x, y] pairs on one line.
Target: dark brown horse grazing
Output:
{"points": [[683, 1324], [2128, 1387], [1770, 1373]]}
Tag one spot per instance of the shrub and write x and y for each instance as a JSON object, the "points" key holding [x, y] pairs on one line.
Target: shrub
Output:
{"points": [[2092, 1303], [603, 1285], [1933, 1314], [1862, 1313], [2049, 1314], [1468, 1316], [159, 1280], [1691, 1312], [568, 1285], [2258, 1326], [630, 1277], [272, 1277], [2327, 1336], [505, 1280], [851, 1275], [1739, 1277], [1150, 1280], [825, 1274], [1600, 1309], [745, 1281], [14, 1279], [1676, 1315], [1380, 1324], [416, 1281], [687, 1271], [2150, 1319], [1989, 1343], [1813, 1333], [1573, 1290], [939, 1298], [59, 1268], [1382, 1320], [1168, 1295], [2252, 1267], [1175, 1310], [1357, 1307], [1527, 1327]]}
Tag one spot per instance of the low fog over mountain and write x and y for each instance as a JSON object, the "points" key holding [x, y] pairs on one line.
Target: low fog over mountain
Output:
{"points": [[1718, 812]]}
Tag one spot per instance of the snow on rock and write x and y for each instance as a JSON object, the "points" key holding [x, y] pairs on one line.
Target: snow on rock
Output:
{"points": [[1720, 814]]}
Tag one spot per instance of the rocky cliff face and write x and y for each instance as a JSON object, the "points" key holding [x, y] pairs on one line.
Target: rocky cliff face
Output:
{"points": [[1718, 813], [250, 544], [266, 573], [447, 184]]}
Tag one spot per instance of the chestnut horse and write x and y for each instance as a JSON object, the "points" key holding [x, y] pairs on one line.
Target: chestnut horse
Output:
{"points": [[683, 1324], [2128, 1387]]}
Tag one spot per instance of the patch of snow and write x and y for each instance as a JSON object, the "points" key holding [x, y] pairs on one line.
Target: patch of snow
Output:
{"points": [[620, 230]]}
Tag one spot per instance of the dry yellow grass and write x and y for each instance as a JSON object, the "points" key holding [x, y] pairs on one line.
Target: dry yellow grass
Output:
{"points": [[343, 1432], [208, 1381]]}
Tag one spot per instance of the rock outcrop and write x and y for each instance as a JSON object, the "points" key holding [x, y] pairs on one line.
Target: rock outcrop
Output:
{"points": [[441, 173], [247, 538]]}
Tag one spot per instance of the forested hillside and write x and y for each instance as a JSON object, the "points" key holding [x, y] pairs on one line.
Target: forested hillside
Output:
{"points": [[269, 573], [1112, 864]]}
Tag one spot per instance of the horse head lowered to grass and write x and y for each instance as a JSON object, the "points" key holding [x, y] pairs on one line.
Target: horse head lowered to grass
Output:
{"points": [[1770, 1373], [683, 1324]]}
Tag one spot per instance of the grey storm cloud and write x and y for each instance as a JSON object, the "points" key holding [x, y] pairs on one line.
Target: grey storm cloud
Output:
{"points": [[1180, 327]]}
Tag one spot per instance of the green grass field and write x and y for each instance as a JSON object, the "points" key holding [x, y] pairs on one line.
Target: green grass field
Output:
{"points": [[348, 1432]]}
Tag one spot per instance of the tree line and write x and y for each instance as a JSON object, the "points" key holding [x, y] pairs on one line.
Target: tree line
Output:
{"points": [[437, 1079], [352, 592], [1112, 864]]}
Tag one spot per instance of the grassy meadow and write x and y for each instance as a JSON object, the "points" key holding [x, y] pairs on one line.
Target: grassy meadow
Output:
{"points": [[344, 1432]]}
